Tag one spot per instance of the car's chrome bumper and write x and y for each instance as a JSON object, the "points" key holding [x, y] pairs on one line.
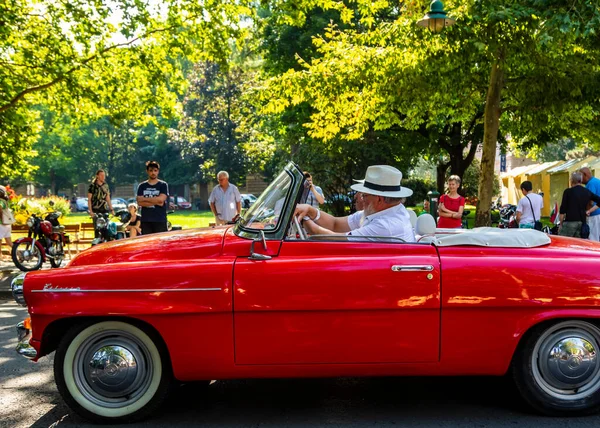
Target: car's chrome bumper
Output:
{"points": [[23, 347]]}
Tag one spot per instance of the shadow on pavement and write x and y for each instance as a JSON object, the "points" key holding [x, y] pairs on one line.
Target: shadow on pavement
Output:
{"points": [[320, 402]]}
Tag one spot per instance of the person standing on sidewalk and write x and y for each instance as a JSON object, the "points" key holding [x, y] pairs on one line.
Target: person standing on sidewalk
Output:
{"points": [[6, 221], [225, 200], [152, 196], [593, 185], [312, 195], [573, 214], [99, 198], [529, 207]]}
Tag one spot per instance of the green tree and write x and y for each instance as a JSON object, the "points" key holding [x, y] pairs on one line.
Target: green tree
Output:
{"points": [[83, 56], [209, 134], [524, 65]]}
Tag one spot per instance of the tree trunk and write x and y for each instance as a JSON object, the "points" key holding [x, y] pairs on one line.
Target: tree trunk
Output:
{"points": [[490, 139], [441, 169]]}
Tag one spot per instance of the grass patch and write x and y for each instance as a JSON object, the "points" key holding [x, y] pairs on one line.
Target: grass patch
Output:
{"points": [[185, 219]]}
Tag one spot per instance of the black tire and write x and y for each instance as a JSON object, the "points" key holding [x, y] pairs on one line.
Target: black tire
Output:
{"points": [[27, 257], [556, 368], [134, 383], [59, 252]]}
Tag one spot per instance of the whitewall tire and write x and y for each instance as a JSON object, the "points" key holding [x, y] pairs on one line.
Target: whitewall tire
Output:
{"points": [[112, 371]]}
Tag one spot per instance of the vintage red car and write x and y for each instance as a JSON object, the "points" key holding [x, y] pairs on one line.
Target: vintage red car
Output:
{"points": [[260, 299]]}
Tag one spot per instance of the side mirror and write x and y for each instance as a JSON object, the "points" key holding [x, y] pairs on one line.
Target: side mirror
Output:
{"points": [[256, 256]]}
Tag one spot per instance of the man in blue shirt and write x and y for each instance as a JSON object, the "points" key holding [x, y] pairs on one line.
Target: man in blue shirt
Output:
{"points": [[593, 185]]}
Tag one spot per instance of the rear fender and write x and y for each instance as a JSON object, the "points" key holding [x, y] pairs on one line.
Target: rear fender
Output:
{"points": [[37, 244]]}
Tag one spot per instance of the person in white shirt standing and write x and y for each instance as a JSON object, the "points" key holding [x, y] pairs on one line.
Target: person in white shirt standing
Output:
{"points": [[529, 208], [383, 214], [225, 200]]}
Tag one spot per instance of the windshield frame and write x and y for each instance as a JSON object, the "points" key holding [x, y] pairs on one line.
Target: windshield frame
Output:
{"points": [[291, 199]]}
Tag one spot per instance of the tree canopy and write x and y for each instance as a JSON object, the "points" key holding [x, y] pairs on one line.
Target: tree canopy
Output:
{"points": [[90, 58], [385, 74]]}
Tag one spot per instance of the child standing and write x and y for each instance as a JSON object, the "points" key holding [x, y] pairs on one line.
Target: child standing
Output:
{"points": [[6, 220]]}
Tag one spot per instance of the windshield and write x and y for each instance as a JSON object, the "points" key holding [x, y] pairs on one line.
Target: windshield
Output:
{"points": [[265, 212]]}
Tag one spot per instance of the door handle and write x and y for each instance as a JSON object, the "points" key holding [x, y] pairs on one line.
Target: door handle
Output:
{"points": [[412, 268]]}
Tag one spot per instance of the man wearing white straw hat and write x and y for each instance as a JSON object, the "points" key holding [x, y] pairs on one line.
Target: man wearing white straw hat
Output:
{"points": [[383, 214]]}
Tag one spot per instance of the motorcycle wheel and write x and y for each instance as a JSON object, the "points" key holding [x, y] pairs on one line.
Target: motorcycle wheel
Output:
{"points": [[26, 257], [59, 254], [169, 225]]}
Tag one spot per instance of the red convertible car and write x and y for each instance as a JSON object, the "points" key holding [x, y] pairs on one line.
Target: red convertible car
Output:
{"points": [[261, 299]]}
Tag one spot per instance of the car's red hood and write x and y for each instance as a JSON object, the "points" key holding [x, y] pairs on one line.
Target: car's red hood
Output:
{"points": [[162, 247]]}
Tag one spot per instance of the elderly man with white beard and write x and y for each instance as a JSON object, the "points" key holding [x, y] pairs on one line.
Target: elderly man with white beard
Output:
{"points": [[383, 214]]}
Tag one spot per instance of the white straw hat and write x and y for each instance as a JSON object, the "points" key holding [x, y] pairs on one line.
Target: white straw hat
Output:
{"points": [[383, 180]]}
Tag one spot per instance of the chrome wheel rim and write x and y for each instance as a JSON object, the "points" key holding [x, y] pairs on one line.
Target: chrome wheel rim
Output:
{"points": [[113, 369], [59, 253], [29, 256], [565, 363]]}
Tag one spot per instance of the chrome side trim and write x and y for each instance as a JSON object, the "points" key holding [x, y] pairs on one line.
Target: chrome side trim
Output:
{"points": [[134, 290], [412, 268]]}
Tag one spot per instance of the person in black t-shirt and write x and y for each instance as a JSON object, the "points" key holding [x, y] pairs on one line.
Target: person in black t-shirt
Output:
{"points": [[152, 197], [573, 207], [134, 226]]}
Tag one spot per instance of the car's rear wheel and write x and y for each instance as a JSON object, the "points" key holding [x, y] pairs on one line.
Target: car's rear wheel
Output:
{"points": [[557, 369], [112, 371]]}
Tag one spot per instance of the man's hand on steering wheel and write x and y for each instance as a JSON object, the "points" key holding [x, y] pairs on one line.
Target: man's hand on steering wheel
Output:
{"points": [[301, 211]]}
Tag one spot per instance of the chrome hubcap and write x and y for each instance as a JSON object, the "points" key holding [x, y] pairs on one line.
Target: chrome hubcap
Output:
{"points": [[565, 361], [113, 369]]}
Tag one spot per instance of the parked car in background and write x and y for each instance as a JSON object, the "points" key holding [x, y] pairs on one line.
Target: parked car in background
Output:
{"points": [[182, 203], [247, 200], [82, 204], [118, 204]]}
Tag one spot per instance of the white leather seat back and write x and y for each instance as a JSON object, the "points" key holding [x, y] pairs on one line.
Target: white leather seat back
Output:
{"points": [[425, 225], [413, 217]]}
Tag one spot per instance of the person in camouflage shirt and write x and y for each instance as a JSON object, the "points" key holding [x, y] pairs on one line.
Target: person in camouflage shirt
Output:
{"points": [[99, 197]]}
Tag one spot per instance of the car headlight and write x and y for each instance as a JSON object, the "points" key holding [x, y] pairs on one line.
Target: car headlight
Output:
{"points": [[30, 222], [17, 289]]}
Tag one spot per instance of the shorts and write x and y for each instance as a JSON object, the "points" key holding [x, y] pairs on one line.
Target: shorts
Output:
{"points": [[571, 228], [526, 225], [150, 227], [5, 230]]}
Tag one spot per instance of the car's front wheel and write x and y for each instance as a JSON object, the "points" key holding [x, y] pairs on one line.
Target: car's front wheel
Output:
{"points": [[557, 369], [112, 371]]}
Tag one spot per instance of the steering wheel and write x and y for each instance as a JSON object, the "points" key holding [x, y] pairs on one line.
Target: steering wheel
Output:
{"points": [[299, 229]]}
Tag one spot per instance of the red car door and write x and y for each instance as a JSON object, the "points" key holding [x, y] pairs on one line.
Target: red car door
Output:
{"points": [[338, 302]]}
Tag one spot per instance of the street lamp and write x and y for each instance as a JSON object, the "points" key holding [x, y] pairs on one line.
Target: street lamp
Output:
{"points": [[436, 18]]}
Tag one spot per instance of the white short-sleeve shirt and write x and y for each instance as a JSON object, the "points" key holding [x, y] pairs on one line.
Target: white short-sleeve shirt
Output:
{"points": [[392, 222], [225, 201], [537, 202]]}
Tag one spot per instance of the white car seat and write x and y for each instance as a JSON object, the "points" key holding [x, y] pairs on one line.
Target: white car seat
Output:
{"points": [[413, 217], [425, 226]]}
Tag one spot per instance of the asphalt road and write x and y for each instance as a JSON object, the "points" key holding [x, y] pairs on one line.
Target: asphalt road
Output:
{"points": [[28, 397]]}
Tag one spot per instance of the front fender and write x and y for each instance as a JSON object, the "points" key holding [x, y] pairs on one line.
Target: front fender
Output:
{"points": [[37, 244]]}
